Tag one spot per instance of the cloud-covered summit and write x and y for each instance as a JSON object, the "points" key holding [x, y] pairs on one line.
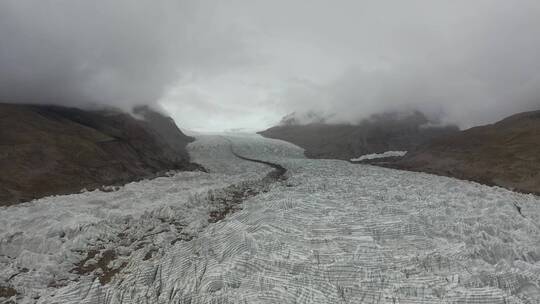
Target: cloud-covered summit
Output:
{"points": [[117, 53]]}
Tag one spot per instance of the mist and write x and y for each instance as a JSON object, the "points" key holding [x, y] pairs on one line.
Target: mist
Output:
{"points": [[106, 53], [245, 64]]}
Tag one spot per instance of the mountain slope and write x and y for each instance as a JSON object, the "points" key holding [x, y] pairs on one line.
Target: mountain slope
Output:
{"points": [[46, 150], [379, 133], [506, 154]]}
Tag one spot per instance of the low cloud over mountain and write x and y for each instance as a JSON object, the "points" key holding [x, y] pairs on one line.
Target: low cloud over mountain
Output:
{"points": [[246, 64]]}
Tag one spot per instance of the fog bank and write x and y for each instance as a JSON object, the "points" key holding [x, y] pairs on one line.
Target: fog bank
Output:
{"points": [[245, 64]]}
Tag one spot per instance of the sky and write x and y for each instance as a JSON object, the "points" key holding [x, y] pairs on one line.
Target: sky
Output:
{"points": [[244, 64]]}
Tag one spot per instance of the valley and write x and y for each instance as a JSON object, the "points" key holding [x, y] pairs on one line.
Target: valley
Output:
{"points": [[324, 231]]}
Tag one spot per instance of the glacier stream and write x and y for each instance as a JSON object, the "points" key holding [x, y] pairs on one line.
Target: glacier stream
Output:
{"points": [[329, 232]]}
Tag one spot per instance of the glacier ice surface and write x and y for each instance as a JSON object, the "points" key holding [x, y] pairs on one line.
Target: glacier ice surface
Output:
{"points": [[332, 232]]}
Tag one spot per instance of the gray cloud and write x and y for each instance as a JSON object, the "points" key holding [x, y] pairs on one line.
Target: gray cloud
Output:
{"points": [[468, 62], [119, 53], [246, 63]]}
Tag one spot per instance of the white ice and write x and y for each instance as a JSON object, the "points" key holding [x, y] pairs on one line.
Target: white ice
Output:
{"points": [[333, 232], [380, 155]]}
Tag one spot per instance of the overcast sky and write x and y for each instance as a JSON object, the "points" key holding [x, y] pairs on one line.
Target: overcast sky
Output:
{"points": [[243, 64]]}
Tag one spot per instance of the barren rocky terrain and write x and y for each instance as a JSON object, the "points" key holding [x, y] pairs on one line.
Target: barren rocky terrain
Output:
{"points": [[48, 150], [376, 134], [505, 154]]}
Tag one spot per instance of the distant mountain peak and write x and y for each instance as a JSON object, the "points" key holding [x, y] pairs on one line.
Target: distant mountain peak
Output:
{"points": [[323, 138], [317, 117], [305, 118]]}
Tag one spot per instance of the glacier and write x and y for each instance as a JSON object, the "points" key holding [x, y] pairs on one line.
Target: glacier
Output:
{"points": [[328, 231]]}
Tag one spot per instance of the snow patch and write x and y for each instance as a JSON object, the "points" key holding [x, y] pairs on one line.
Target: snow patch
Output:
{"points": [[380, 155]]}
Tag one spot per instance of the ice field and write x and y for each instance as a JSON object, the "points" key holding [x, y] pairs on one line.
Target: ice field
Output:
{"points": [[327, 231]]}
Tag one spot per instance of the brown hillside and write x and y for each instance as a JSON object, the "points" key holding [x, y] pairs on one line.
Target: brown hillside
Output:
{"points": [[46, 150], [506, 154], [379, 133]]}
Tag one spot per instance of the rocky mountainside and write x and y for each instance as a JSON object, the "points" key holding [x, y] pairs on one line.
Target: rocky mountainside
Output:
{"points": [[47, 150], [377, 134], [505, 154]]}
